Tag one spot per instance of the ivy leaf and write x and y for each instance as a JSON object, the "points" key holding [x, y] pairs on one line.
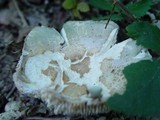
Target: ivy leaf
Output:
{"points": [[142, 93], [83, 7], [69, 4], [146, 35], [140, 8], [103, 4]]}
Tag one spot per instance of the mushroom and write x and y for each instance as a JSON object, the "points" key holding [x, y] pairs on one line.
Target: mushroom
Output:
{"points": [[77, 71]]}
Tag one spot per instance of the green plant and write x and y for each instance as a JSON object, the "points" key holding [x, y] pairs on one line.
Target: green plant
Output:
{"points": [[76, 7], [142, 96], [135, 9]]}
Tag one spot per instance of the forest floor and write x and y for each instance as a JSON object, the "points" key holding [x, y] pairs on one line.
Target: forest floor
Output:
{"points": [[16, 20]]}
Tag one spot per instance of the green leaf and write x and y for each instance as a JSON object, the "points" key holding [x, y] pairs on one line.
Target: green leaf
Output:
{"points": [[140, 8], [76, 13], [115, 17], [69, 4], [142, 96], [83, 7], [103, 4], [146, 35]]}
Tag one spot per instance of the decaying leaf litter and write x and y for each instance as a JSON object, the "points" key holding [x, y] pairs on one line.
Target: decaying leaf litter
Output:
{"points": [[15, 23]]}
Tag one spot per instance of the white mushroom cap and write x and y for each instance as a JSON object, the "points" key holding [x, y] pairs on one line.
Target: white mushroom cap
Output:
{"points": [[79, 76]]}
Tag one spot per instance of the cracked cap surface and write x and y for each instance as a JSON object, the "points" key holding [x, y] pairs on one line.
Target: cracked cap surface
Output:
{"points": [[75, 72]]}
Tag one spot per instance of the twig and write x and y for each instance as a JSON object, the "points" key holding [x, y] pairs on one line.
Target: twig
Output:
{"points": [[20, 13], [10, 92], [124, 9], [112, 11]]}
